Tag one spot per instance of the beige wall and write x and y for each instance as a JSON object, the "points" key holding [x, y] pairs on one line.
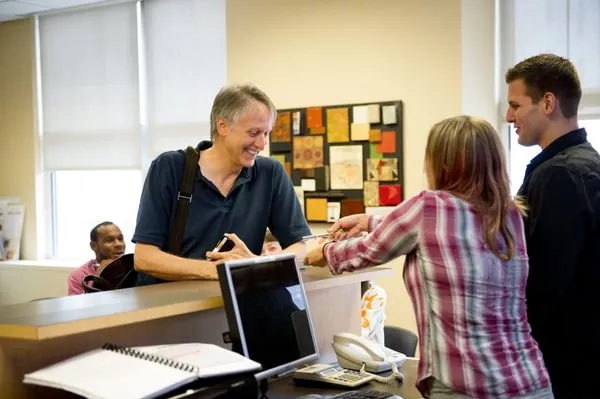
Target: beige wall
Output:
{"points": [[17, 123], [315, 52]]}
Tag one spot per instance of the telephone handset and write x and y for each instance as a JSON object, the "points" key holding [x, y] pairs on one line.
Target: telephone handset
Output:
{"points": [[358, 353], [352, 345]]}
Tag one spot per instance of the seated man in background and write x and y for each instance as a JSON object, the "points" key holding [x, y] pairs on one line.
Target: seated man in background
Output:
{"points": [[271, 245], [106, 240]]}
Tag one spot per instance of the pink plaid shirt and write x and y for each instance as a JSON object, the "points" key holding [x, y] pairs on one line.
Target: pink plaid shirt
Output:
{"points": [[469, 304]]}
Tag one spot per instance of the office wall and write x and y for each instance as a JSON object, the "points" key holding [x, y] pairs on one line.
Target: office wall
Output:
{"points": [[17, 123], [315, 52]]}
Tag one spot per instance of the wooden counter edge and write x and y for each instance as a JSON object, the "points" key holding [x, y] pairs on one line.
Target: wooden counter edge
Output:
{"points": [[38, 333]]}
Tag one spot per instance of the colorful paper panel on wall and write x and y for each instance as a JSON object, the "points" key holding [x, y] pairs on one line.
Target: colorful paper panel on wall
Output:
{"points": [[383, 169], [308, 152], [337, 125], [316, 209], [390, 194], [346, 162], [342, 159], [281, 129], [314, 118]]}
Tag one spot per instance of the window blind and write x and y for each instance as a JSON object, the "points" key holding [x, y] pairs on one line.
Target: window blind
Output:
{"points": [[570, 28], [89, 87], [186, 65]]}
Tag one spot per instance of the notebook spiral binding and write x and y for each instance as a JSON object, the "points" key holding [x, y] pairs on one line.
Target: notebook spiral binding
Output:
{"points": [[151, 358]]}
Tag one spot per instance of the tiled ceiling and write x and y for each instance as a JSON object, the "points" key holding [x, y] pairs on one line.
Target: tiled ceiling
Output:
{"points": [[15, 9]]}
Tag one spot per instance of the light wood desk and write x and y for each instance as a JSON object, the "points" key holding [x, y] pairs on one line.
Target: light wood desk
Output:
{"points": [[37, 334]]}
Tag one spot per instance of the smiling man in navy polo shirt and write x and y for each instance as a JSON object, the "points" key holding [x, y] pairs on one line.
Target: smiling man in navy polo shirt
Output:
{"points": [[235, 193]]}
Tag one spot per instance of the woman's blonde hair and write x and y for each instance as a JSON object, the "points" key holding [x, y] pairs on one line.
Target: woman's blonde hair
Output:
{"points": [[465, 157]]}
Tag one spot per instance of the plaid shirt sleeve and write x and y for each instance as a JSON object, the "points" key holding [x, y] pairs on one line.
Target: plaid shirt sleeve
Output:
{"points": [[374, 221], [389, 236]]}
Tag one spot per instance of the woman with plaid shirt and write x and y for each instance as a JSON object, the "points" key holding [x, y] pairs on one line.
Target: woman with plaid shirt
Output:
{"points": [[465, 270]]}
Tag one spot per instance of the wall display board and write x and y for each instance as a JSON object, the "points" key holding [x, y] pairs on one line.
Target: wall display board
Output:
{"points": [[342, 159]]}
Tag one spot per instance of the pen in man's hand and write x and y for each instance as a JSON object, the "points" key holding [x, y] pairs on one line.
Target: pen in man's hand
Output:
{"points": [[315, 236]]}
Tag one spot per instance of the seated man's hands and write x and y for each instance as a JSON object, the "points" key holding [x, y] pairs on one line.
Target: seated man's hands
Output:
{"points": [[349, 226], [239, 251]]}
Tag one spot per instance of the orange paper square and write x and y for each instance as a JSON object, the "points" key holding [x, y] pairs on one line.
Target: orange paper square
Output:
{"points": [[375, 135], [388, 143], [314, 117]]}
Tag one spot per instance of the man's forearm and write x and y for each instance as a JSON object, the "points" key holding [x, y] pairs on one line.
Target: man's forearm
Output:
{"points": [[162, 265], [176, 277], [298, 248]]}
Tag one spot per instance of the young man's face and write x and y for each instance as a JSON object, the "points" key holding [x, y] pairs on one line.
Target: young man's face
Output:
{"points": [[528, 118], [245, 138], [110, 243]]}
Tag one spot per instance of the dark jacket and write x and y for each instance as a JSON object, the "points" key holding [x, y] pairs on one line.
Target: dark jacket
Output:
{"points": [[562, 192]]}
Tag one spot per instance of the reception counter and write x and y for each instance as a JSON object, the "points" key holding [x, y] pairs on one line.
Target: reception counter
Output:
{"points": [[37, 334]]}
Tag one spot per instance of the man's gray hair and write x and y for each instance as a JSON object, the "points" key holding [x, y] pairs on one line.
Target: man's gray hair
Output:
{"points": [[233, 100]]}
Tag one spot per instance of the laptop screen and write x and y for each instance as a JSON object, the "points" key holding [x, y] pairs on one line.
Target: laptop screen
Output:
{"points": [[268, 313]]}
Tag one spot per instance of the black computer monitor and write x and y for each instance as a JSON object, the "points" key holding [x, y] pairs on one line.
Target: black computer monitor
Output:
{"points": [[267, 312]]}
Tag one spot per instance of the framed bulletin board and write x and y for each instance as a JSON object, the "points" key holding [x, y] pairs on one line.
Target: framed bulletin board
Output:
{"points": [[342, 159]]}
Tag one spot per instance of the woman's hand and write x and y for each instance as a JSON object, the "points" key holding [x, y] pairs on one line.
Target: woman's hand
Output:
{"points": [[349, 226], [239, 251], [316, 256]]}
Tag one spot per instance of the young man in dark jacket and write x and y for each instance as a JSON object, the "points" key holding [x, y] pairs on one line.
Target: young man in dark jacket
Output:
{"points": [[562, 192]]}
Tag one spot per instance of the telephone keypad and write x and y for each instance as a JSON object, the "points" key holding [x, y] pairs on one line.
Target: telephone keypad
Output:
{"points": [[349, 376], [332, 375]]}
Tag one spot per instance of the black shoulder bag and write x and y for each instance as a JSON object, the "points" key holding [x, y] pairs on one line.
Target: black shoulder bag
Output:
{"points": [[184, 198]]}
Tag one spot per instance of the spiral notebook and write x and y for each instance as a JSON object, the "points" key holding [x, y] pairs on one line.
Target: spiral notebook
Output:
{"points": [[144, 372]]}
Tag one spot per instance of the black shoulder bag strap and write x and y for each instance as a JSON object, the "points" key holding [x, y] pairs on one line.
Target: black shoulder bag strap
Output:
{"points": [[184, 198]]}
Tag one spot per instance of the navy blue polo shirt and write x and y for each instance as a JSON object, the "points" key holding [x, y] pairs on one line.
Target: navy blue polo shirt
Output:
{"points": [[262, 196]]}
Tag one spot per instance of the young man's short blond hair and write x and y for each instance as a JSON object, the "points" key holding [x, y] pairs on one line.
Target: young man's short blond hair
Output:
{"points": [[269, 237]]}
